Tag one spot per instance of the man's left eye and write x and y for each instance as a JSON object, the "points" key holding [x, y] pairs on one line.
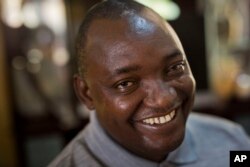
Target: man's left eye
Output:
{"points": [[176, 68]]}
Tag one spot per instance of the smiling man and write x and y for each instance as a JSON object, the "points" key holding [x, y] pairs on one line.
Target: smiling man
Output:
{"points": [[134, 75]]}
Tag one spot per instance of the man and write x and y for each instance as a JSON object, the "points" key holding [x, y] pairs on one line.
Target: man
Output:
{"points": [[134, 75]]}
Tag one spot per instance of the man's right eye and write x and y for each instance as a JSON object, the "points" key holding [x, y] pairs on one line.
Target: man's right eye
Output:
{"points": [[126, 86]]}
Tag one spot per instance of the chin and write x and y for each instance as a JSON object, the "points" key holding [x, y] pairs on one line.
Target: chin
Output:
{"points": [[171, 144], [161, 152], [158, 150]]}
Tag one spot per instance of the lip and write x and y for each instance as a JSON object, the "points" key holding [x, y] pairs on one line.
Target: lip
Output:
{"points": [[162, 119], [155, 114], [177, 110], [160, 129]]}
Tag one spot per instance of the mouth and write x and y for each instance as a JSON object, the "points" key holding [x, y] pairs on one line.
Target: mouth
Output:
{"points": [[161, 119]]}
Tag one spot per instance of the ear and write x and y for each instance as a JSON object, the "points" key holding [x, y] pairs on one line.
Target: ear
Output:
{"points": [[82, 91]]}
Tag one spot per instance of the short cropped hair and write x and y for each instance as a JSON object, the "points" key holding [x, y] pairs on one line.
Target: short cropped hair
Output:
{"points": [[109, 9]]}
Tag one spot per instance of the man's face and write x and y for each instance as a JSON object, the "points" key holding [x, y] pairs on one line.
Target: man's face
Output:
{"points": [[139, 83]]}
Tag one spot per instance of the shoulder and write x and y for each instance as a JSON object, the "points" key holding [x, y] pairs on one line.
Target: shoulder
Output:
{"points": [[208, 129], [76, 153], [213, 139], [199, 120]]}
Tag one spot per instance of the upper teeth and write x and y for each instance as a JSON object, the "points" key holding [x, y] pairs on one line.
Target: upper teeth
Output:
{"points": [[160, 120]]}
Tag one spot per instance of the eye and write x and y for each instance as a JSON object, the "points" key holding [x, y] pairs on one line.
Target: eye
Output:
{"points": [[177, 68], [126, 86]]}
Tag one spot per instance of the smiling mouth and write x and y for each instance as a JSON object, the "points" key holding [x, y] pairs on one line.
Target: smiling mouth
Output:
{"points": [[160, 120]]}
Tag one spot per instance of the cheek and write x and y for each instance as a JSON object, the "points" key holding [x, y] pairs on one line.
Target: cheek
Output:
{"points": [[122, 104], [186, 84], [127, 105], [191, 84], [117, 108], [186, 89]]}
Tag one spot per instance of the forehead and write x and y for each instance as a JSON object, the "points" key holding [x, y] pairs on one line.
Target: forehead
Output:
{"points": [[110, 40], [131, 28], [129, 25]]}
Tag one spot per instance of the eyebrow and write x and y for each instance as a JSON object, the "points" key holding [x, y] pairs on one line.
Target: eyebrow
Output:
{"points": [[173, 55], [133, 68], [126, 69]]}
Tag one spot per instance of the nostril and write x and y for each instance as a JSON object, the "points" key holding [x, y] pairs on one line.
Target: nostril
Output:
{"points": [[161, 98]]}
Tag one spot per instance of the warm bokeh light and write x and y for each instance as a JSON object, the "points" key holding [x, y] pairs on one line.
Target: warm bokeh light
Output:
{"points": [[166, 8], [35, 56], [30, 15], [34, 13], [53, 15], [60, 56], [11, 13]]}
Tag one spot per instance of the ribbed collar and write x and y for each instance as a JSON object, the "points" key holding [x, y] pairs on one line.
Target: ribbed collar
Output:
{"points": [[113, 155]]}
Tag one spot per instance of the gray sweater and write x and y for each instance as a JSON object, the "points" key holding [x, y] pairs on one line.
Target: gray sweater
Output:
{"points": [[207, 143]]}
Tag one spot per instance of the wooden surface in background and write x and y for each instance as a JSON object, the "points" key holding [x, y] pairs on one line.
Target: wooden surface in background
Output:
{"points": [[8, 155]]}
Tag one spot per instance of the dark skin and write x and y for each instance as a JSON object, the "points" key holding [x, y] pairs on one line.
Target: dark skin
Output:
{"points": [[136, 69]]}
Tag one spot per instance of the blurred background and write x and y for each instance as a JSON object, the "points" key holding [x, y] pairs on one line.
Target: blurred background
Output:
{"points": [[39, 113]]}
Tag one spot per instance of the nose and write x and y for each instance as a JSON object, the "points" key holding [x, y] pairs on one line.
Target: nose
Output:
{"points": [[160, 95]]}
